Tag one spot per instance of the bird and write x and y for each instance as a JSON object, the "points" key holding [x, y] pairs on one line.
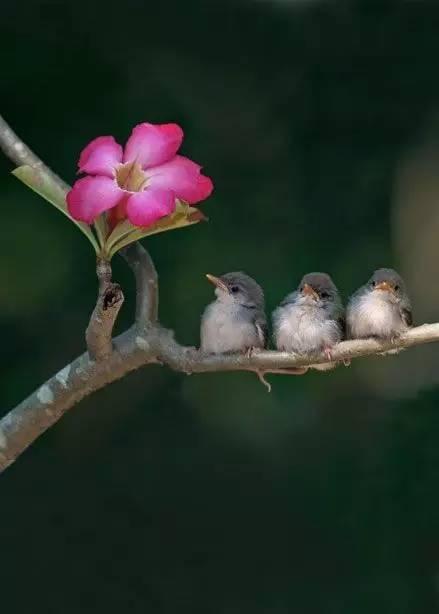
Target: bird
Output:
{"points": [[236, 320], [310, 319], [381, 308]]}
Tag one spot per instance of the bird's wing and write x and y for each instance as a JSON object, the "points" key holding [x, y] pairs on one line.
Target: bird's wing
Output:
{"points": [[407, 316], [337, 313], [262, 328], [341, 320], [290, 298], [353, 299], [406, 311]]}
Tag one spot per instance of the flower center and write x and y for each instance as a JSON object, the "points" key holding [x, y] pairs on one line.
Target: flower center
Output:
{"points": [[130, 177]]}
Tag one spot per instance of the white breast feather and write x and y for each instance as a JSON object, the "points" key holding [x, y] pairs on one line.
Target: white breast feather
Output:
{"points": [[223, 331], [373, 315], [304, 331]]}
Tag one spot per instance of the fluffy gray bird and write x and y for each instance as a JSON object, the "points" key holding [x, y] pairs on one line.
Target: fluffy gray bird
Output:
{"points": [[310, 320], [381, 308], [235, 321]]}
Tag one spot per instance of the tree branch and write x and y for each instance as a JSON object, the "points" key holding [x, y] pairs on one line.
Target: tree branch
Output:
{"points": [[146, 283], [189, 360], [21, 426], [99, 331], [19, 153]]}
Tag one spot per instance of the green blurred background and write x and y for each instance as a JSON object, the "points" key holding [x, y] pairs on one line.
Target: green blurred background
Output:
{"points": [[319, 123]]}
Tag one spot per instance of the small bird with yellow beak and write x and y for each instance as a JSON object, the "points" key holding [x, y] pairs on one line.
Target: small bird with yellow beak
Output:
{"points": [[235, 321], [310, 319], [381, 308]]}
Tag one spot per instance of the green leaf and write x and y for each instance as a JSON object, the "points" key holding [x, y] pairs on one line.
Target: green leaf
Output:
{"points": [[101, 227], [119, 233], [45, 186], [125, 233]]}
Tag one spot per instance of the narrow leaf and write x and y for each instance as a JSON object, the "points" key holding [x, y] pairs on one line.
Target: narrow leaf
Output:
{"points": [[44, 185], [101, 227], [125, 233], [120, 231]]}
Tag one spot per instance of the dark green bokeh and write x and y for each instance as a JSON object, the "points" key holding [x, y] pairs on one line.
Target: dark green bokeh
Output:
{"points": [[164, 493]]}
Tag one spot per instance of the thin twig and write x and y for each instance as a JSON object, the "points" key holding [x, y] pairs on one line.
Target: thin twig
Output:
{"points": [[146, 283], [19, 153], [263, 381], [189, 360]]}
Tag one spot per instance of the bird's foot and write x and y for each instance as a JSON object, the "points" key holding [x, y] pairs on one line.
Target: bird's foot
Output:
{"points": [[394, 340], [251, 351], [329, 363], [191, 353], [327, 351]]}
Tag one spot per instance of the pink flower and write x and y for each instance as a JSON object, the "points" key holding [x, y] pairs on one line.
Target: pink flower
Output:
{"points": [[141, 182]]}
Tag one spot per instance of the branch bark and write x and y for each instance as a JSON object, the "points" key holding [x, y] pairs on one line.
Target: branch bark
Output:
{"points": [[21, 426], [147, 297], [99, 331]]}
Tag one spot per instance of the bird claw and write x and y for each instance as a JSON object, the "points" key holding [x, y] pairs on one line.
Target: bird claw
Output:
{"points": [[327, 351], [252, 350]]}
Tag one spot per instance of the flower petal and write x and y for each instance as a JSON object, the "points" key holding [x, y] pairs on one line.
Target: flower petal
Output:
{"points": [[100, 156], [183, 177], [145, 208], [152, 144], [91, 196]]}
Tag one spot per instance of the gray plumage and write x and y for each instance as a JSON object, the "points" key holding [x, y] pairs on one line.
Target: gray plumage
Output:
{"points": [[310, 320], [381, 308], [235, 321]]}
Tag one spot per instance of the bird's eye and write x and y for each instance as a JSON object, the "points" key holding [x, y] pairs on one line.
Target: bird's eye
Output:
{"points": [[373, 284], [324, 294], [396, 287], [234, 289]]}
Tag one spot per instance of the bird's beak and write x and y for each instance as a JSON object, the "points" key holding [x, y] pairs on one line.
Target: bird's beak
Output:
{"points": [[216, 281], [384, 285], [308, 291]]}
